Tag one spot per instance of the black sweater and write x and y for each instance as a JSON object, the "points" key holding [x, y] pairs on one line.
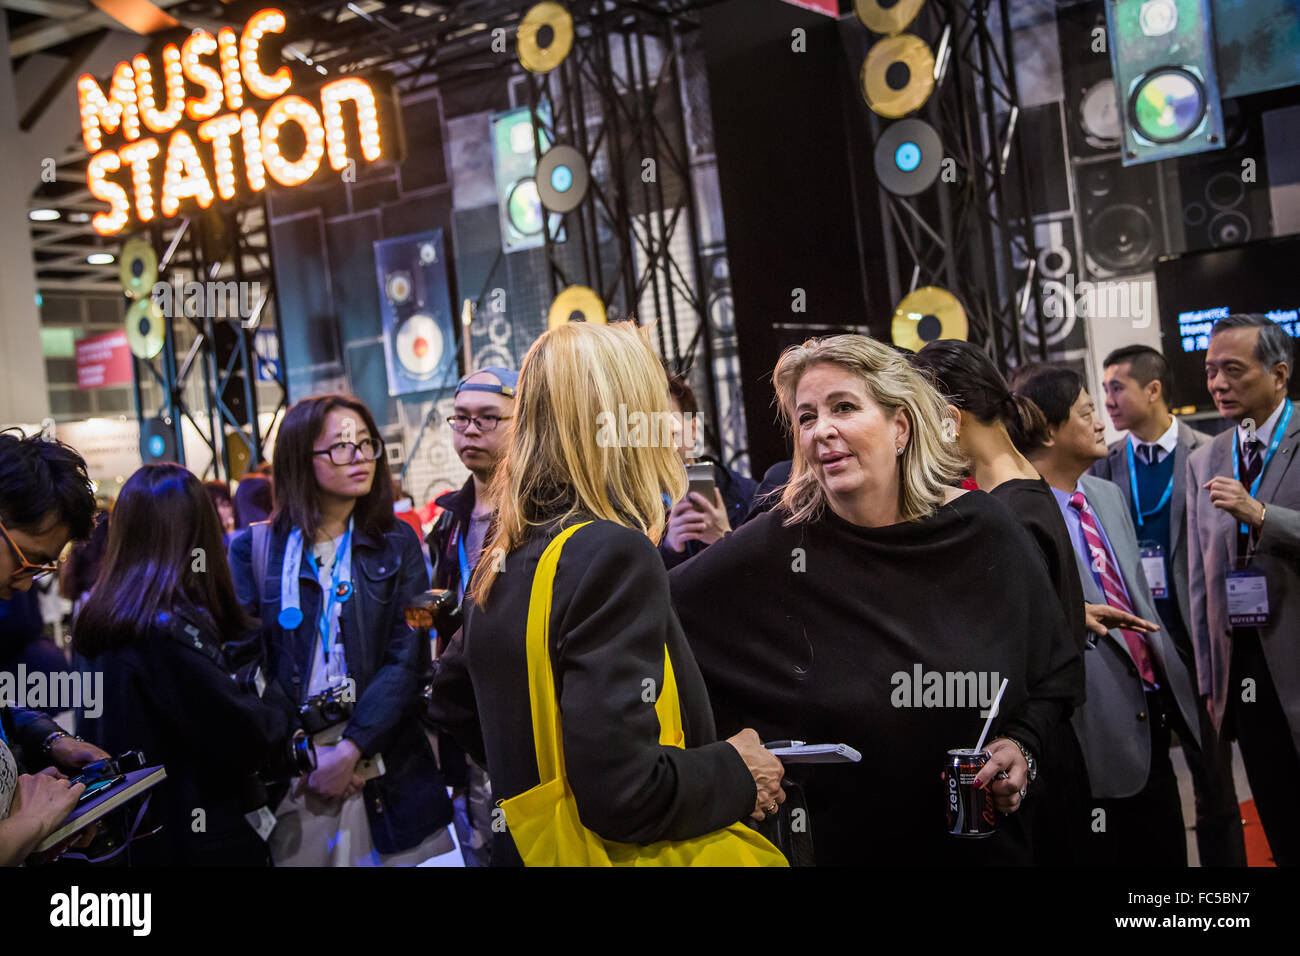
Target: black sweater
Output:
{"points": [[610, 621], [1032, 503], [813, 632]]}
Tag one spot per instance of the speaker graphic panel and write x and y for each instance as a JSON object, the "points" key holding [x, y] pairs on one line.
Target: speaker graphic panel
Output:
{"points": [[415, 302], [1120, 218]]}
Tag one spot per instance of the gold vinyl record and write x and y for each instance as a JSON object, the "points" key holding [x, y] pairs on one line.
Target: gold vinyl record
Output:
{"points": [[928, 314], [139, 268], [145, 328], [887, 20], [545, 23], [898, 75], [577, 303]]}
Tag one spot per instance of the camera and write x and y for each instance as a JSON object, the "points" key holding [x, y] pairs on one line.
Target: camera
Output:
{"points": [[327, 708], [436, 610]]}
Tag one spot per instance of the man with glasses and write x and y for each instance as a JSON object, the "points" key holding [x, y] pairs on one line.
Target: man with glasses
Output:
{"points": [[485, 401], [46, 501]]}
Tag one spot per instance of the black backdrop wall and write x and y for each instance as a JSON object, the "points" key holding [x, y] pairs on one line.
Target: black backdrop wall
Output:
{"points": [[794, 161]]}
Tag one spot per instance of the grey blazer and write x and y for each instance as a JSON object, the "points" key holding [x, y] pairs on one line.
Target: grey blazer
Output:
{"points": [[1111, 725], [1212, 534], [1114, 467]]}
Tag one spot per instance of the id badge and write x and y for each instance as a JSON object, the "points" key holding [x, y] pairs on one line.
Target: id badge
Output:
{"points": [[1153, 566], [1247, 598]]}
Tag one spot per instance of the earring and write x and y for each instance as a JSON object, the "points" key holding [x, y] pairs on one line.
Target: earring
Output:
{"points": [[898, 450]]}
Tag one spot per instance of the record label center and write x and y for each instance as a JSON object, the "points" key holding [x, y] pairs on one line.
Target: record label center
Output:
{"points": [[240, 119]]}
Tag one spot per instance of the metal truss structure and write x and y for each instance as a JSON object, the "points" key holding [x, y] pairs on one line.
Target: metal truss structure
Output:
{"points": [[215, 252], [607, 99], [962, 236]]}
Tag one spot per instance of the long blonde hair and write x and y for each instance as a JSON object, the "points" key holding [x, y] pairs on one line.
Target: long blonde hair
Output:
{"points": [[930, 461], [559, 461]]}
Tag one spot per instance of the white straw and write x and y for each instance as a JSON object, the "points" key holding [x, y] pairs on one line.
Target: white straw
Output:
{"points": [[993, 712]]}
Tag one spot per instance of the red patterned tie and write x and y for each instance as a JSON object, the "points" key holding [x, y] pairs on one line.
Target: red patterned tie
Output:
{"points": [[1110, 585]]}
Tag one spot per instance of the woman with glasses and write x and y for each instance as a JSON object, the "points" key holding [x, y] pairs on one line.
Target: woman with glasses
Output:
{"points": [[329, 575]]}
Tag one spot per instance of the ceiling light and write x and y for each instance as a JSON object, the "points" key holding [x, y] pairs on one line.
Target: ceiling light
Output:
{"points": [[78, 217], [43, 215], [100, 258]]}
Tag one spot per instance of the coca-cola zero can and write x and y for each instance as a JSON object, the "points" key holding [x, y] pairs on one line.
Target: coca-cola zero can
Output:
{"points": [[970, 811]]}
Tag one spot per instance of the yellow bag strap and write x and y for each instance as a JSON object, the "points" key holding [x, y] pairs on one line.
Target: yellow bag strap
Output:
{"points": [[541, 680]]}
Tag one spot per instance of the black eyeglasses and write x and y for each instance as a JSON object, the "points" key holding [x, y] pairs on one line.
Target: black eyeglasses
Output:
{"points": [[345, 452], [484, 423]]}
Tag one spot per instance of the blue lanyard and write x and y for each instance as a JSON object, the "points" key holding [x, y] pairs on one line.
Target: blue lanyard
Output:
{"points": [[339, 590], [1278, 431], [465, 569], [1133, 484]]}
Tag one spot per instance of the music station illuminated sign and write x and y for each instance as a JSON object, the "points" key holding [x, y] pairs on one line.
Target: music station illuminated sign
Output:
{"points": [[243, 117]]}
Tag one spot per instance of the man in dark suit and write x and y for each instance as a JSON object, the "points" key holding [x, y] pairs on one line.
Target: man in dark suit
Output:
{"points": [[1149, 465], [1243, 529], [1139, 688]]}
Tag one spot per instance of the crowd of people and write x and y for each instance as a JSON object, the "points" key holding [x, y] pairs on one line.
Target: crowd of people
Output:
{"points": [[612, 651]]}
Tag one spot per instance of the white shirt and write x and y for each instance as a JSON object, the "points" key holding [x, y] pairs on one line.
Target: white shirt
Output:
{"points": [[1264, 432], [1165, 444], [327, 674]]}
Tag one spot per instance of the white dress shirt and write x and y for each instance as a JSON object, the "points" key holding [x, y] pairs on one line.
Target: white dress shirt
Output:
{"points": [[1164, 445]]}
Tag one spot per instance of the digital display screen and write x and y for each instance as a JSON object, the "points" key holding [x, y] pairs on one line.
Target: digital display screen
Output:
{"points": [[1195, 290]]}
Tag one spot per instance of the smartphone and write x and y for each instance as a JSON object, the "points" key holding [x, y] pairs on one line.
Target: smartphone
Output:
{"points": [[97, 786], [700, 480]]}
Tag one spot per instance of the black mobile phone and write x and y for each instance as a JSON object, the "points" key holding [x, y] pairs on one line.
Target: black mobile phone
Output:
{"points": [[700, 480], [97, 785]]}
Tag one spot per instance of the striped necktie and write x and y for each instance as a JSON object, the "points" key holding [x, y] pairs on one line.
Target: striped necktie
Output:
{"points": [[1111, 586]]}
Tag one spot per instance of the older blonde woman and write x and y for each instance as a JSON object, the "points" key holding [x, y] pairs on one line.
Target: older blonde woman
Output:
{"points": [[880, 607], [610, 618]]}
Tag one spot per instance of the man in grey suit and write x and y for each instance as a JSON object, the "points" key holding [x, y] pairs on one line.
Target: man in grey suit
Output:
{"points": [[1139, 688], [1243, 526], [1149, 467]]}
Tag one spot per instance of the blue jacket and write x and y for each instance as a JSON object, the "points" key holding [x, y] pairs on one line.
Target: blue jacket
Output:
{"points": [[386, 659]]}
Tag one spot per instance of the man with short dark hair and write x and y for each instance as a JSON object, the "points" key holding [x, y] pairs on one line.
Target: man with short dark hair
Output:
{"points": [[1243, 524], [46, 500], [1139, 688], [1149, 466]]}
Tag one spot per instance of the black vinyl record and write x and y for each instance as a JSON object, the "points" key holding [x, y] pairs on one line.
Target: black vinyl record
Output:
{"points": [[908, 156], [562, 178]]}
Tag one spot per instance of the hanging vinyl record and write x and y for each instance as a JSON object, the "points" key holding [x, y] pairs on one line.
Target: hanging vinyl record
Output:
{"points": [[139, 268], [908, 156], [562, 178], [577, 303], [419, 345], [145, 328], [545, 37], [888, 20], [898, 75], [927, 314]]}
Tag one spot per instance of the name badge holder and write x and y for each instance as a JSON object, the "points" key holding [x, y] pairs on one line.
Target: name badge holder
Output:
{"points": [[1247, 596], [1152, 556]]}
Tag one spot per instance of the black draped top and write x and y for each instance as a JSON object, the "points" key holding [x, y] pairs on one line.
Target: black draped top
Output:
{"points": [[891, 640]]}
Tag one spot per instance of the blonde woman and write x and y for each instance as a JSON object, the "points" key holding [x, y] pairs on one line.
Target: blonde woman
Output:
{"points": [[880, 607], [610, 616]]}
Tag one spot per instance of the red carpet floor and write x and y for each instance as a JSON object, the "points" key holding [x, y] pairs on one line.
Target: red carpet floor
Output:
{"points": [[1257, 851]]}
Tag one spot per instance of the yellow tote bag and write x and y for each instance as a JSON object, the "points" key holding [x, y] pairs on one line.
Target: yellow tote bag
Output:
{"points": [[544, 821]]}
